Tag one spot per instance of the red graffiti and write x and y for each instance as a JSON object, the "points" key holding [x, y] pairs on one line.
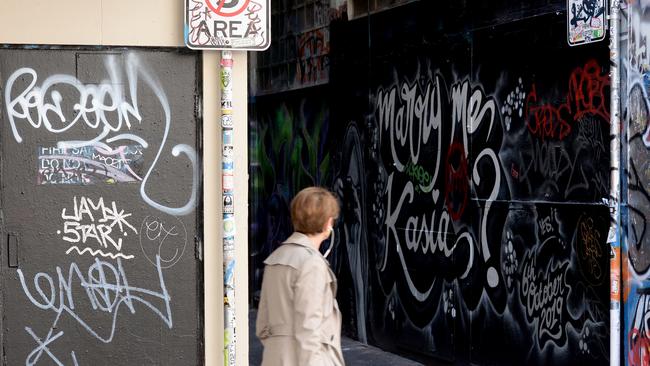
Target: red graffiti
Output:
{"points": [[639, 354], [545, 121], [313, 59], [586, 96], [457, 183], [218, 8], [514, 172], [587, 86]]}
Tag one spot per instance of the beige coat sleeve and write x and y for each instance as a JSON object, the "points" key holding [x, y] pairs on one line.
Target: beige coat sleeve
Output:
{"points": [[262, 320], [310, 290]]}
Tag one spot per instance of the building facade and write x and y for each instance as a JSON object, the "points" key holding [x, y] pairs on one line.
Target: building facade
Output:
{"points": [[111, 187], [468, 143]]}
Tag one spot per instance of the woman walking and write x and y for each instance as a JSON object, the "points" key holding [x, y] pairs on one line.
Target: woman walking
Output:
{"points": [[298, 320]]}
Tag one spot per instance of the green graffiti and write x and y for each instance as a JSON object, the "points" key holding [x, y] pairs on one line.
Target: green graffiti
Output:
{"points": [[288, 149], [418, 175]]}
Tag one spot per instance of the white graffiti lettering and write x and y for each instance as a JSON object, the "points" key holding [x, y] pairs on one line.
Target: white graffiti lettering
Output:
{"points": [[421, 112], [544, 297], [107, 291], [434, 241], [165, 238], [104, 107], [97, 222], [407, 121]]}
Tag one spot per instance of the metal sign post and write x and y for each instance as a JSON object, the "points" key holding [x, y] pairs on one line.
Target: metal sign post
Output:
{"points": [[614, 236], [228, 186], [228, 25]]}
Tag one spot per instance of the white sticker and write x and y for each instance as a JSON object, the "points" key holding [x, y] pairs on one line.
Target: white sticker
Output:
{"points": [[611, 236], [226, 121], [228, 182], [586, 21], [228, 226], [228, 151]]}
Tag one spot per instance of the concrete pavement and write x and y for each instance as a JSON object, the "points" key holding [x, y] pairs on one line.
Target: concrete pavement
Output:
{"points": [[355, 353]]}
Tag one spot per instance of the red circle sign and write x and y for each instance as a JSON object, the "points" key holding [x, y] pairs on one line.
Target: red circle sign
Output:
{"points": [[218, 9]]}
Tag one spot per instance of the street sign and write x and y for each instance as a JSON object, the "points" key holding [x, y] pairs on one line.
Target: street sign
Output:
{"points": [[585, 21], [228, 24]]}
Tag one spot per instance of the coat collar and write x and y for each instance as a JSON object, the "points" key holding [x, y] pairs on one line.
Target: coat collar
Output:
{"points": [[303, 240], [300, 239]]}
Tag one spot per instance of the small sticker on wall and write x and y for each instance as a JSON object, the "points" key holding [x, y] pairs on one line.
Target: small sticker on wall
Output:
{"points": [[226, 76], [227, 137], [615, 273], [586, 21], [228, 151], [227, 103], [228, 182], [228, 165], [611, 235], [228, 243], [228, 226], [226, 121], [228, 203], [89, 165]]}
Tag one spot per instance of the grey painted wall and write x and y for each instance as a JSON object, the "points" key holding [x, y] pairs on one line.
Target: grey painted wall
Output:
{"points": [[99, 185]]}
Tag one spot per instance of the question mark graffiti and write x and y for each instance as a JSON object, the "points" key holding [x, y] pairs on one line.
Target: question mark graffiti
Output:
{"points": [[492, 274]]}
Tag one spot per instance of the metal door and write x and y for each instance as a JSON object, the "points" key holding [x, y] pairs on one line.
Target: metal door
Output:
{"points": [[99, 182]]}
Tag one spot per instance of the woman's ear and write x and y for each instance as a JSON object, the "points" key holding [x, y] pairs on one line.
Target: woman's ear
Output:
{"points": [[329, 225]]}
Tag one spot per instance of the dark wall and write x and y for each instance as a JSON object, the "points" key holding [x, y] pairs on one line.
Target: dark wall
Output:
{"points": [[288, 151], [469, 148], [100, 178]]}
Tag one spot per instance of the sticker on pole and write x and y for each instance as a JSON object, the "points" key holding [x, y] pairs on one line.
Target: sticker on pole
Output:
{"points": [[228, 24], [586, 21]]}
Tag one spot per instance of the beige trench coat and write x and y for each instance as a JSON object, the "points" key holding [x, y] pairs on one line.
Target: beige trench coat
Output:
{"points": [[298, 321]]}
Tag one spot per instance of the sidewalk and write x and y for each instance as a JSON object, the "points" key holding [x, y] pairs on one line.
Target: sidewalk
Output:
{"points": [[355, 353]]}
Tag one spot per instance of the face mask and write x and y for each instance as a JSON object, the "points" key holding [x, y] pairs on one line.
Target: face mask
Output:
{"points": [[327, 252]]}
